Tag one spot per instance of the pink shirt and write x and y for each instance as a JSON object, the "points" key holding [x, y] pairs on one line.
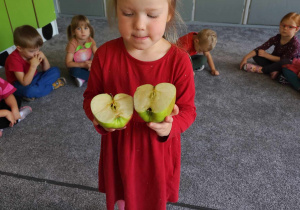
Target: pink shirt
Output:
{"points": [[6, 89]]}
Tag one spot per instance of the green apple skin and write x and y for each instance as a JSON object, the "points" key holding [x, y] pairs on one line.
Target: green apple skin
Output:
{"points": [[119, 122], [149, 116]]}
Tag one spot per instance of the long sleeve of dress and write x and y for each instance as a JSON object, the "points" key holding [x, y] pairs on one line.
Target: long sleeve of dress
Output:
{"points": [[93, 88], [272, 41], [185, 88]]}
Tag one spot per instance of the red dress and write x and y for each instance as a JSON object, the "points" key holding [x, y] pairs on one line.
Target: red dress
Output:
{"points": [[137, 165]]}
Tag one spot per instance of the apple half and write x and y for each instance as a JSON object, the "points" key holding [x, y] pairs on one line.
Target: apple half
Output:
{"points": [[154, 103], [112, 112]]}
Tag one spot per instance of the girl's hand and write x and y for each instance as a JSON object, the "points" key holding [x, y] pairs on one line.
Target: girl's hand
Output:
{"points": [[164, 128], [107, 129], [215, 72], [262, 53], [10, 117], [16, 114], [243, 62], [88, 64], [41, 55]]}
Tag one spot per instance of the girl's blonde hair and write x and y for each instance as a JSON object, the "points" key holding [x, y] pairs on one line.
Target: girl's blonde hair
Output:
{"points": [[208, 38], [294, 16], [171, 32], [75, 23]]}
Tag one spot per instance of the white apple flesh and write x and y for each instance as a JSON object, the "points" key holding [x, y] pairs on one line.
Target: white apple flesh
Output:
{"points": [[153, 104], [112, 112]]}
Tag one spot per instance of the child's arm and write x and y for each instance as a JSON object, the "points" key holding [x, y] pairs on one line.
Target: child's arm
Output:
{"points": [[248, 56], [184, 112], [94, 88], [8, 115], [44, 63], [26, 79], [268, 56], [211, 63], [94, 49], [263, 47], [12, 103]]}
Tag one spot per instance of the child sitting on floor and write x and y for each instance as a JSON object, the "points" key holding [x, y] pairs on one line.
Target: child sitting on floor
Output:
{"points": [[198, 45], [80, 48], [21, 66], [10, 114], [286, 46]]}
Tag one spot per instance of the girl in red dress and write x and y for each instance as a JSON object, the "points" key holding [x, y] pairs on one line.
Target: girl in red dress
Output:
{"points": [[139, 165]]}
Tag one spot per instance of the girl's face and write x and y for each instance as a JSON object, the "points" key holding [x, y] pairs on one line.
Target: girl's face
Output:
{"points": [[142, 23], [82, 32], [288, 28]]}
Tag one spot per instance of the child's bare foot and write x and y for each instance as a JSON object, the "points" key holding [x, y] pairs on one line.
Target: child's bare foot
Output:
{"points": [[215, 72], [274, 74], [249, 67]]}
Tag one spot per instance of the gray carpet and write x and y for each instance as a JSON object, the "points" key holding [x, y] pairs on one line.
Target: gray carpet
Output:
{"points": [[242, 152]]}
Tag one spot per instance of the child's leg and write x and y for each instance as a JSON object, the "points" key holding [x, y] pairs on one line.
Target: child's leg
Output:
{"points": [[80, 73], [262, 61], [292, 78], [40, 86], [269, 67]]}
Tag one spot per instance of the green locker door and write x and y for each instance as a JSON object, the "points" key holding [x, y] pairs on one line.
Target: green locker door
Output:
{"points": [[45, 12], [6, 34], [21, 12]]}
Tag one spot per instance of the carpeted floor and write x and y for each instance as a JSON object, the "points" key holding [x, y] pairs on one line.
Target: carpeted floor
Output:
{"points": [[242, 152]]}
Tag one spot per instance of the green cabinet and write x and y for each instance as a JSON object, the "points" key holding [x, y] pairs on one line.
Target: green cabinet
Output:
{"points": [[45, 12], [6, 34], [14, 13], [21, 12]]}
